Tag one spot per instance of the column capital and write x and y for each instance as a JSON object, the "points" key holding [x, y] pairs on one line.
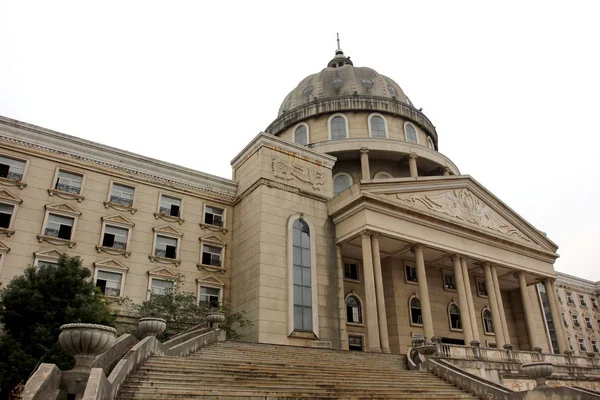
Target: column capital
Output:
{"points": [[376, 235], [366, 233], [413, 155], [417, 246], [456, 255], [364, 150]]}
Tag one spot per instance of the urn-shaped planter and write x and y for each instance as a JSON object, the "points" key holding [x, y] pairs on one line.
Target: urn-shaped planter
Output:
{"points": [[418, 340], [215, 318], [85, 342], [151, 326], [426, 350], [538, 371]]}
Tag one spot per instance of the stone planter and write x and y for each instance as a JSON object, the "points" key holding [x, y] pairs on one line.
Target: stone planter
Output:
{"points": [[538, 371], [426, 350], [418, 340], [215, 318], [85, 342], [151, 326]]}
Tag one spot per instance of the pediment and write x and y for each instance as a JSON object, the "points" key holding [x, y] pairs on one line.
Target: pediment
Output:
{"points": [[8, 197], [168, 229], [163, 272], [50, 253], [4, 248], [464, 201], [111, 263], [210, 280], [63, 207], [119, 219], [212, 239]]}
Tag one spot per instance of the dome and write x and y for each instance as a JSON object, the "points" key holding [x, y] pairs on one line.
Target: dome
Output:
{"points": [[341, 78]]}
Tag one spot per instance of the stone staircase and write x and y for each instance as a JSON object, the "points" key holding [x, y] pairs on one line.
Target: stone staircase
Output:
{"points": [[241, 370]]}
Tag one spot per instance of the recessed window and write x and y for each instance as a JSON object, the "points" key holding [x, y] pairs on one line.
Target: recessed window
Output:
{"points": [[115, 237], [367, 83], [582, 301], [338, 128], [488, 325], [575, 321], [307, 92], [351, 271], [454, 317], [212, 255], [594, 302], [595, 348], [588, 323], [410, 133], [564, 318], [165, 247], [570, 298], [570, 342], [6, 213], [121, 194], [210, 296], [481, 288], [410, 273], [383, 175], [109, 283], [170, 206], [68, 182], [301, 135], [353, 310], [59, 226], [213, 215], [11, 168], [582, 346], [355, 343], [302, 279], [449, 280], [393, 92], [337, 84], [430, 143], [341, 182], [416, 317], [377, 127], [160, 287]]}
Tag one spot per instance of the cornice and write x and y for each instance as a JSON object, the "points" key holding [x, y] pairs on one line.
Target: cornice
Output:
{"points": [[277, 185]]}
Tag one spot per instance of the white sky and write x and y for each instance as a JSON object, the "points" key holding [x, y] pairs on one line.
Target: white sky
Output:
{"points": [[512, 88]]}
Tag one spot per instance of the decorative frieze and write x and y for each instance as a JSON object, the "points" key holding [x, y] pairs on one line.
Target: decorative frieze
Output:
{"points": [[287, 171]]}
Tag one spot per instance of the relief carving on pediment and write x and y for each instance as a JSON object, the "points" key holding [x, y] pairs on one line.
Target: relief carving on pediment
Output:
{"points": [[464, 205], [288, 171]]}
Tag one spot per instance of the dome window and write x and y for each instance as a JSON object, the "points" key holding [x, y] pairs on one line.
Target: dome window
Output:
{"points": [[341, 182], [301, 135], [393, 92], [337, 84], [377, 126], [338, 127], [307, 92], [367, 83], [410, 133], [430, 143]]}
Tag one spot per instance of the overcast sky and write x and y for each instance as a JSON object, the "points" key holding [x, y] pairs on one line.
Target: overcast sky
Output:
{"points": [[512, 88]]}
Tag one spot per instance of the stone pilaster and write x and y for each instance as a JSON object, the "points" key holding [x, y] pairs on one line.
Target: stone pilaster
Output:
{"points": [[341, 300], [412, 165], [371, 320], [382, 318], [364, 164]]}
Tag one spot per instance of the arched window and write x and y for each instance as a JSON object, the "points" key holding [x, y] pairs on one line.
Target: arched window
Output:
{"points": [[341, 182], [301, 135], [377, 127], [488, 326], [430, 143], [416, 318], [353, 310], [410, 133], [302, 276], [454, 317], [337, 128], [382, 175]]}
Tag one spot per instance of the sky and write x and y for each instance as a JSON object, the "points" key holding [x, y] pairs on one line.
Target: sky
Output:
{"points": [[512, 87]]}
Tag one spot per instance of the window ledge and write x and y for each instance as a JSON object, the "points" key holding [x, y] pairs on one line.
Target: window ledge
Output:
{"points": [[489, 333], [115, 299], [413, 324], [303, 335], [447, 289], [12, 183], [55, 241], [110, 250], [355, 324], [119, 207], [164, 260], [483, 296], [7, 232], [169, 218], [456, 330], [352, 280], [211, 268], [214, 228], [411, 282], [66, 195]]}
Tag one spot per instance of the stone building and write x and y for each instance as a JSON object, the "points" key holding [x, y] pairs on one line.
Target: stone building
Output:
{"points": [[343, 225]]}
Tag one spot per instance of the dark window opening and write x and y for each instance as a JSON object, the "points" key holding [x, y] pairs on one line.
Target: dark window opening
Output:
{"points": [[411, 273], [355, 343], [351, 271]]}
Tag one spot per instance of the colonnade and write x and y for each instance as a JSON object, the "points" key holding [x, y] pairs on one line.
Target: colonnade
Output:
{"points": [[412, 165]]}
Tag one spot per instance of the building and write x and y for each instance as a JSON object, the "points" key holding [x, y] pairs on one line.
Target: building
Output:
{"points": [[343, 225]]}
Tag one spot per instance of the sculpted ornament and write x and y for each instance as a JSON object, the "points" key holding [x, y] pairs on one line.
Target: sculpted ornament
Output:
{"points": [[464, 205], [284, 170]]}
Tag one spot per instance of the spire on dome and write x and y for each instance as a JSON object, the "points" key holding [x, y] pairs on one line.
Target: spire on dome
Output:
{"points": [[340, 59]]}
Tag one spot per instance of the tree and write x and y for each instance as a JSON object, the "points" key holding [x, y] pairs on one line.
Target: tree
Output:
{"points": [[33, 306]]}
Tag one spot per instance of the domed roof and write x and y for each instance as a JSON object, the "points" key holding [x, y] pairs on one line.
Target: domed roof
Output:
{"points": [[340, 78]]}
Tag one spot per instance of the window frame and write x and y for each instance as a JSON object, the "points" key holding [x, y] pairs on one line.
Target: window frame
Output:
{"points": [[430, 144], [569, 295], [410, 311], [453, 329], [118, 206], [62, 210], [594, 302], [53, 191], [358, 270], [115, 267], [170, 218], [210, 282], [406, 133], [9, 199], [483, 319], [338, 175], [575, 320], [116, 221], [161, 274], [445, 273], [214, 241], [385, 124], [387, 175], [12, 182], [582, 344], [582, 302], [4, 249], [480, 280], [307, 133], [594, 344], [169, 232], [331, 117], [211, 227], [588, 322], [360, 310], [413, 265], [362, 340]]}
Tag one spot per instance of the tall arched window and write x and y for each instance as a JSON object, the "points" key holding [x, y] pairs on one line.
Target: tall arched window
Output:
{"points": [[353, 310], [416, 318], [301, 135], [430, 143], [341, 182], [338, 128], [377, 127], [488, 326], [410, 133], [302, 276], [454, 317]]}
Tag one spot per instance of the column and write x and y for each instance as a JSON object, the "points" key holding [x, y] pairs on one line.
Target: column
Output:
{"points": [[471, 305], [489, 283], [527, 309], [423, 292], [560, 325], [412, 165], [364, 163], [500, 304], [465, 316], [381, 317], [370, 300], [556, 317], [341, 300], [446, 171]]}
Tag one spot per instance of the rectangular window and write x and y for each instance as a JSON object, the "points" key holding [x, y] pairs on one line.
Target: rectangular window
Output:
{"points": [[355, 343], [481, 288], [170, 206], [565, 320], [351, 271], [449, 281], [570, 342], [121, 194], [302, 279], [411, 273], [115, 237], [160, 287], [598, 322], [109, 283], [582, 301], [210, 296], [213, 216], [582, 345], [594, 302], [595, 348], [166, 247], [40, 264], [6, 211], [68, 182], [588, 322], [570, 298], [59, 227], [575, 320], [211, 255], [11, 168]]}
